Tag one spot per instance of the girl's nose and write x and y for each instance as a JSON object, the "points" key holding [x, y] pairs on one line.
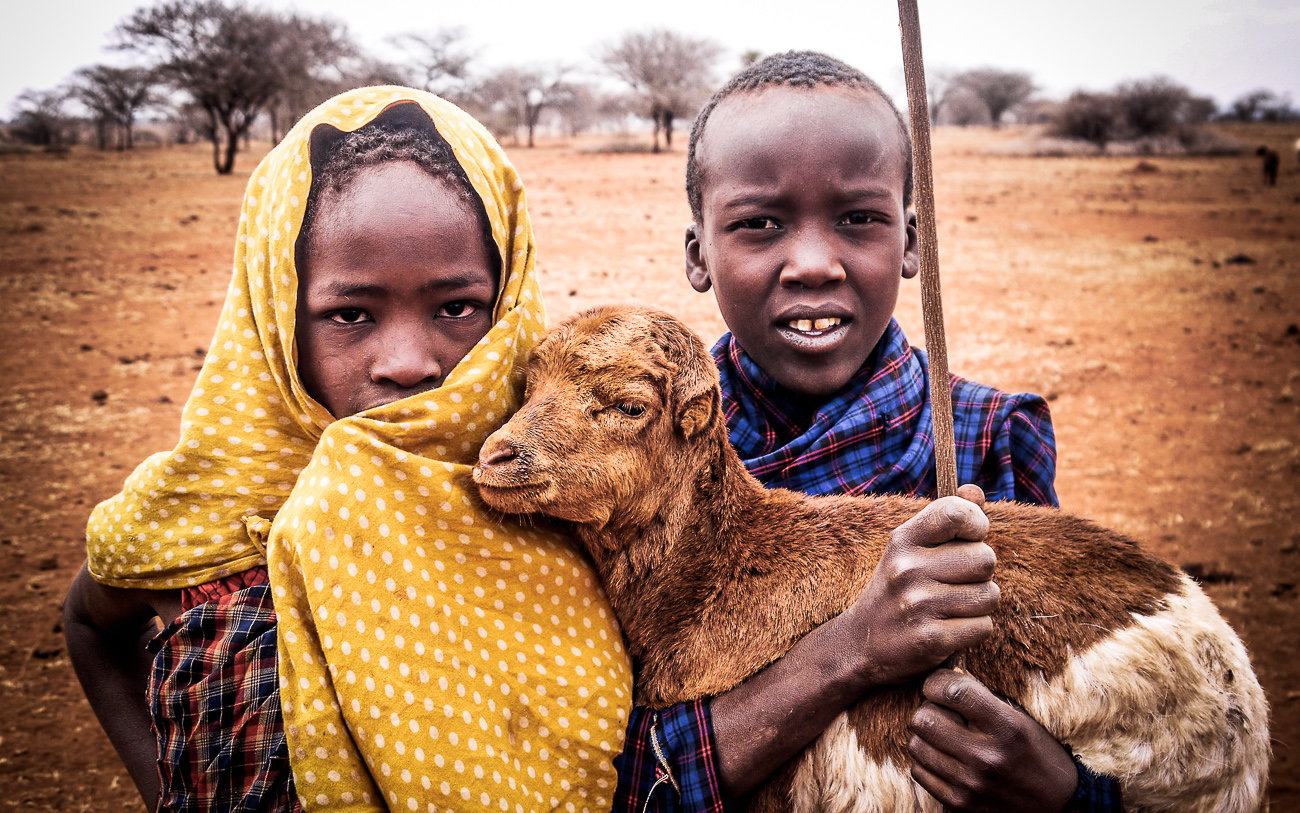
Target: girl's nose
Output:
{"points": [[812, 262], [407, 359]]}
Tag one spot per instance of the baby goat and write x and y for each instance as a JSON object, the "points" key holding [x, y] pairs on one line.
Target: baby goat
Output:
{"points": [[713, 577]]}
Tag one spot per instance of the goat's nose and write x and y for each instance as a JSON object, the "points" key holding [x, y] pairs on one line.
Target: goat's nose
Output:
{"points": [[497, 452]]}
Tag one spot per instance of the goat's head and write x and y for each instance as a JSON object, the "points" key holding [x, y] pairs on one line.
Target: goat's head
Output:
{"points": [[619, 403]]}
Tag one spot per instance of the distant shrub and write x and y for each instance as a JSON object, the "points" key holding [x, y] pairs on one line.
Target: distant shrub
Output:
{"points": [[1261, 105], [1153, 107], [1200, 141], [1151, 116], [1092, 117], [619, 148], [1187, 141], [963, 108]]}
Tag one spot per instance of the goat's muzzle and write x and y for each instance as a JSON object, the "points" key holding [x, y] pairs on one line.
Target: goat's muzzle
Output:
{"points": [[505, 478]]}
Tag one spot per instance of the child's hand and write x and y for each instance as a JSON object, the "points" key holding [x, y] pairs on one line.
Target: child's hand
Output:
{"points": [[931, 594], [975, 752], [925, 600]]}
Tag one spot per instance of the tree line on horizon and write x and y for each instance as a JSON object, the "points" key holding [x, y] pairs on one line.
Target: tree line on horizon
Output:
{"points": [[213, 68]]}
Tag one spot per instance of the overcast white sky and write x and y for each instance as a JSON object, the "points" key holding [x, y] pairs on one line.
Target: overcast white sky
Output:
{"points": [[1220, 48]]}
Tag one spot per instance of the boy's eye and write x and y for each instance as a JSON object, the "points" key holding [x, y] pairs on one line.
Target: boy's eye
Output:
{"points": [[349, 316], [458, 310], [858, 219], [758, 223]]}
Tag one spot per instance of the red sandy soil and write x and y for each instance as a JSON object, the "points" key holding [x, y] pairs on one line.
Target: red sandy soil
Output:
{"points": [[1154, 302]]}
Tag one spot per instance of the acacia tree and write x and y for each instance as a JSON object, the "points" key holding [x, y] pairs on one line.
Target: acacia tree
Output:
{"points": [[516, 96], [1134, 110], [114, 96], [1261, 105], [216, 54], [310, 59], [668, 72], [440, 57], [40, 118], [579, 108], [999, 90]]}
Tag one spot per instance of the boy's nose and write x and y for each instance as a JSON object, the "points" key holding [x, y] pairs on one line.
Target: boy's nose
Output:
{"points": [[811, 263], [407, 361]]}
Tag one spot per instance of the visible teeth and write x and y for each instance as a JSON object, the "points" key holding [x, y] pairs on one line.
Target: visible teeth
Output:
{"points": [[806, 325]]}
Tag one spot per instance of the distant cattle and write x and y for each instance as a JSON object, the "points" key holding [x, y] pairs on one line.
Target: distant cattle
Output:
{"points": [[1271, 163]]}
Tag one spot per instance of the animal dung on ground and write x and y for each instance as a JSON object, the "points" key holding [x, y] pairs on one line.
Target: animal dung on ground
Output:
{"points": [[1116, 652]]}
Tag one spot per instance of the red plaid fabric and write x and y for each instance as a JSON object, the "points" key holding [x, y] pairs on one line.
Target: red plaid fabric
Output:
{"points": [[192, 597], [215, 700]]}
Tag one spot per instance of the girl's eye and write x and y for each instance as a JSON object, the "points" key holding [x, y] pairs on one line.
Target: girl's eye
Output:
{"points": [[458, 310], [758, 223], [349, 316], [858, 219], [630, 410]]}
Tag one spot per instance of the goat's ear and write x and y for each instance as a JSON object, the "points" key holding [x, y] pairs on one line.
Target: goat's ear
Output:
{"points": [[696, 412], [696, 401]]}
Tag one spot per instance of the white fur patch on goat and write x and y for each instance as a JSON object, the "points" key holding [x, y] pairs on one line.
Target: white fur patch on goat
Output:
{"points": [[836, 776], [1107, 705]]}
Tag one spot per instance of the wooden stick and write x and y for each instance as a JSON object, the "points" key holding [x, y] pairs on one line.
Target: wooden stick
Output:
{"points": [[936, 347]]}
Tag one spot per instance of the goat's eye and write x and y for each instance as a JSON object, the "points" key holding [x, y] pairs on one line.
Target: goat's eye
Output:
{"points": [[630, 410]]}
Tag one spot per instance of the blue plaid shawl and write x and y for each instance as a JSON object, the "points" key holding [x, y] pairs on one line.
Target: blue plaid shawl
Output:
{"points": [[875, 436]]}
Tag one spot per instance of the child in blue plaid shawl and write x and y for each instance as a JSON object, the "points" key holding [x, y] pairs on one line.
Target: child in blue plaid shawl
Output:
{"points": [[799, 175]]}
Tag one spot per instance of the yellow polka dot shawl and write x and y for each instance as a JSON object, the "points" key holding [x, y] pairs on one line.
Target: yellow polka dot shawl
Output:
{"points": [[432, 656]]}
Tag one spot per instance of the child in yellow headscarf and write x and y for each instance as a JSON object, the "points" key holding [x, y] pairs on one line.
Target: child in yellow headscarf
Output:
{"points": [[430, 656]]}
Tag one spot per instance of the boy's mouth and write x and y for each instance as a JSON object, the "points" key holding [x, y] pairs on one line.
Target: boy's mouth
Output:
{"points": [[814, 325], [814, 334]]}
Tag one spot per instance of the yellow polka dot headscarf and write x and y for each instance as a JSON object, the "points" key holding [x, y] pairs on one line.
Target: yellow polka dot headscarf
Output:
{"points": [[197, 513], [434, 656]]}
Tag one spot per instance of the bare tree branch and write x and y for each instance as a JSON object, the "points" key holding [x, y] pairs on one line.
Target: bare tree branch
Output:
{"points": [[669, 73], [440, 57], [114, 96], [514, 97]]}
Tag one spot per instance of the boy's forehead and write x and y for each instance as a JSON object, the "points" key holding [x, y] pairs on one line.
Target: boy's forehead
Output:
{"points": [[794, 113]]}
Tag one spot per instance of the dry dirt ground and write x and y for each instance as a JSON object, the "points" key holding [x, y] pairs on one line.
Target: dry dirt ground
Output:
{"points": [[1154, 301]]}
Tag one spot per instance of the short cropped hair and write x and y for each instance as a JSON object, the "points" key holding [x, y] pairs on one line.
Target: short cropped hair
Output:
{"points": [[402, 132], [801, 69]]}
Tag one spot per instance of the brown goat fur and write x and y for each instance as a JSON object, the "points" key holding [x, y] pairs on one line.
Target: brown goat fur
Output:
{"points": [[714, 577]]}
